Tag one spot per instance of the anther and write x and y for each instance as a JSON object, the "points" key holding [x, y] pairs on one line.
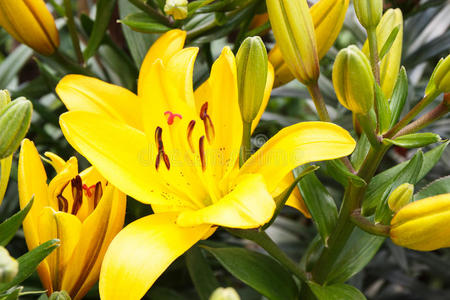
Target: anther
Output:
{"points": [[98, 193], [77, 194], [63, 205], [161, 153], [158, 137], [209, 127], [166, 160], [190, 129], [201, 148], [171, 117]]}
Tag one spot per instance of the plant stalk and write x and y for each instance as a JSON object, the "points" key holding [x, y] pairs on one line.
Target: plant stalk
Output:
{"points": [[246, 146], [73, 31]]}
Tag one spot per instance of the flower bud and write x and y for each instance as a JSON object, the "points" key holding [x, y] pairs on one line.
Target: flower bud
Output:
{"points": [[178, 9], [401, 196], [8, 266], [423, 225], [224, 294], [62, 295], [390, 64], [251, 63], [4, 99], [368, 12], [15, 120], [293, 28], [30, 23], [441, 76], [353, 80]]}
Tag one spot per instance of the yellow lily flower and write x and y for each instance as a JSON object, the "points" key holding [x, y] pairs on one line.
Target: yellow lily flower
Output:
{"points": [[178, 151], [80, 209], [328, 17], [423, 225], [30, 22]]}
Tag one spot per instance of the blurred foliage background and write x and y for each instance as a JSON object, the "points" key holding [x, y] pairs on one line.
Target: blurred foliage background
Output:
{"points": [[131, 26]]}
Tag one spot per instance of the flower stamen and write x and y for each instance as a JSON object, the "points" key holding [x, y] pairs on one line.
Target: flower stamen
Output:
{"points": [[190, 129], [201, 148], [161, 153], [77, 194], [209, 127]]}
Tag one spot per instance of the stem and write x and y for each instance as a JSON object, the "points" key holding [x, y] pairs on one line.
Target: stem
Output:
{"points": [[367, 125], [262, 239], [438, 112], [374, 60], [151, 12], [427, 99], [246, 147], [344, 226], [317, 97], [191, 35], [367, 225], [73, 31]]}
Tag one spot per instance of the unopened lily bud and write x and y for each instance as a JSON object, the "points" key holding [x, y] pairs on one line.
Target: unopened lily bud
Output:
{"points": [[62, 295], [390, 64], [282, 73], [353, 80], [8, 266], [178, 9], [368, 12], [293, 28], [30, 23], [15, 120], [4, 99], [251, 62], [401, 196], [441, 76], [224, 294], [423, 225]]}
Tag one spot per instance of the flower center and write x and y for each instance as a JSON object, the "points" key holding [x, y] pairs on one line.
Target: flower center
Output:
{"points": [[94, 191]]}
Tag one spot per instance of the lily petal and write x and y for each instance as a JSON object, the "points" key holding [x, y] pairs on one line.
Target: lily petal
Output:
{"points": [[249, 205], [297, 145], [57, 162], [94, 95], [295, 199], [141, 252], [164, 48], [119, 152]]}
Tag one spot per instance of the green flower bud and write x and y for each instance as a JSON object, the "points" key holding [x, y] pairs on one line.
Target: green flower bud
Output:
{"points": [[178, 9], [4, 99], [15, 120], [401, 196], [8, 266], [353, 80], [251, 61], [60, 296], [368, 12], [224, 294], [441, 76]]}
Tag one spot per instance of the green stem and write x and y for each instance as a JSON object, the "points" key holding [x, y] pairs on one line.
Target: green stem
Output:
{"points": [[373, 47], [319, 103], [73, 31], [151, 12], [427, 99], [246, 146], [366, 123], [368, 226], [262, 239], [193, 34], [344, 227]]}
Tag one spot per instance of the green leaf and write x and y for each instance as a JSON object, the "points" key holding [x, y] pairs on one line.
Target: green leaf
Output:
{"points": [[201, 274], [158, 293], [12, 294], [382, 181], [337, 169], [103, 16], [359, 250], [29, 262], [390, 40], [384, 112], [399, 95], [338, 291], [11, 66], [142, 22], [360, 153], [257, 270], [319, 202], [437, 187], [409, 174], [415, 140], [10, 226]]}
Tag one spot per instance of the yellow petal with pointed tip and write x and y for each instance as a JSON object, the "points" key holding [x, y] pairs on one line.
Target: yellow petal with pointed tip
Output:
{"points": [[118, 151], [62, 180], [57, 162], [296, 145], [90, 94], [267, 91], [32, 181], [66, 228], [249, 205], [164, 48], [141, 252]]}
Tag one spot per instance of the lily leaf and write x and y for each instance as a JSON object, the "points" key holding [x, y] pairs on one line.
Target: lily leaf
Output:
{"points": [[10, 226], [437, 187], [340, 173], [257, 270], [13, 64], [142, 22], [201, 274], [335, 292], [384, 112], [390, 40], [399, 95], [415, 140]]}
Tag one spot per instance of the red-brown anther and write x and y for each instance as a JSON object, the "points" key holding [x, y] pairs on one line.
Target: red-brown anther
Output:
{"points": [[158, 160], [190, 129], [161, 153], [166, 160], [171, 117], [158, 137], [63, 205], [201, 148], [209, 127], [98, 193], [77, 194]]}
